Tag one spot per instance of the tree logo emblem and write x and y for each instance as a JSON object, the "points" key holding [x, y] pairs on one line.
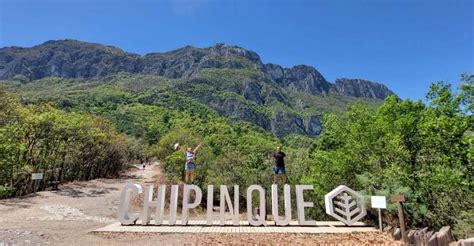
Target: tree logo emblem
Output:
{"points": [[345, 204]]}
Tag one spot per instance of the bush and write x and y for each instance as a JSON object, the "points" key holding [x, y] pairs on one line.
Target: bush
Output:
{"points": [[422, 151], [63, 146]]}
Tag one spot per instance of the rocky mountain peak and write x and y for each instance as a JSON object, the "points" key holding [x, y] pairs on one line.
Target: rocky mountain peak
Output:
{"points": [[305, 78], [362, 88], [250, 91], [188, 61], [229, 51], [76, 59], [66, 58]]}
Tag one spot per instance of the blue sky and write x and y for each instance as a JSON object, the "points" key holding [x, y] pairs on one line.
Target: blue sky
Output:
{"points": [[405, 44]]}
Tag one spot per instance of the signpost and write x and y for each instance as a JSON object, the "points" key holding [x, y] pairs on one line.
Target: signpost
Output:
{"points": [[379, 202], [36, 176], [399, 199]]}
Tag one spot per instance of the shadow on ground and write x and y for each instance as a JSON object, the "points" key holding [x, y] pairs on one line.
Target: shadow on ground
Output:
{"points": [[83, 192]]}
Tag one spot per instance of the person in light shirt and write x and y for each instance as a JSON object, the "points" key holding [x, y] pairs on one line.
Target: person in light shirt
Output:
{"points": [[189, 165]]}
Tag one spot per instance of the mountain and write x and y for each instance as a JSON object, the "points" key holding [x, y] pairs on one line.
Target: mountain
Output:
{"points": [[229, 80]]}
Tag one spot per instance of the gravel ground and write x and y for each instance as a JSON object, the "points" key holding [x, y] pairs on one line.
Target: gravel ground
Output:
{"points": [[258, 239], [67, 216]]}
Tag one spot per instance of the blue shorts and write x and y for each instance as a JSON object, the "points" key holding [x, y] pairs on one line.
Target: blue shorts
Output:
{"points": [[279, 169], [190, 166]]}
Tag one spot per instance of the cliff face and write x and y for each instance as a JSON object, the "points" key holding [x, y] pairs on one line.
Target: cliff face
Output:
{"points": [[68, 59], [75, 59], [300, 78], [187, 61], [362, 88], [249, 94]]}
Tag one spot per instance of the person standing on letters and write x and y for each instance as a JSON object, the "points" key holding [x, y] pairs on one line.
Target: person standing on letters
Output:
{"points": [[190, 165], [279, 167]]}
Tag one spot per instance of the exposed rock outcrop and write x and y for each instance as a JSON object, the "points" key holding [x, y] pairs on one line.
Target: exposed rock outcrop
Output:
{"points": [[66, 58], [75, 59], [362, 88], [307, 79], [284, 123], [254, 93]]}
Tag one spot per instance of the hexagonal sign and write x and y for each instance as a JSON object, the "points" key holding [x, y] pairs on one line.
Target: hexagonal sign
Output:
{"points": [[345, 204]]}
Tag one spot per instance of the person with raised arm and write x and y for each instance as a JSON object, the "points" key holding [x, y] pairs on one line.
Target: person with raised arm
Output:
{"points": [[190, 165]]}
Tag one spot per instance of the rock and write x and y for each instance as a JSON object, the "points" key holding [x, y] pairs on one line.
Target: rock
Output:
{"points": [[66, 58], [314, 126], [433, 241], [239, 110], [254, 94], [174, 64], [188, 61], [411, 236], [466, 242], [305, 78], [397, 234], [444, 236], [428, 235], [362, 88], [252, 91], [388, 228], [274, 72], [76, 59], [419, 237], [275, 95], [284, 123], [230, 51]]}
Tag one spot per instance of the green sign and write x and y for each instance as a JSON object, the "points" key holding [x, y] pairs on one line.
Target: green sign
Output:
{"points": [[36, 176]]}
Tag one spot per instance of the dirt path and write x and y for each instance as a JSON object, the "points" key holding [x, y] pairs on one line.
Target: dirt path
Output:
{"points": [[67, 216]]}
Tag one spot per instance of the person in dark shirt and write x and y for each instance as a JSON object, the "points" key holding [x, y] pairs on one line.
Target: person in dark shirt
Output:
{"points": [[279, 167]]}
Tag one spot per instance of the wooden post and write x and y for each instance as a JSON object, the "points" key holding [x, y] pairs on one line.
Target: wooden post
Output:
{"points": [[399, 199], [402, 222], [35, 185], [380, 220], [444, 236]]}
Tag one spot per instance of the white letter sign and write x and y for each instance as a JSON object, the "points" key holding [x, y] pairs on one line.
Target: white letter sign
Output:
{"points": [[287, 200], [345, 204], [124, 217], [341, 203], [186, 205], [234, 210], [301, 204], [260, 218]]}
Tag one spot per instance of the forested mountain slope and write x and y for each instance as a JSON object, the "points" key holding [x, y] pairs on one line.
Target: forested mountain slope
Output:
{"points": [[229, 80], [78, 111]]}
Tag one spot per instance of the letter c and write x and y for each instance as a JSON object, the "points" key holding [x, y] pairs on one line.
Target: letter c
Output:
{"points": [[124, 216]]}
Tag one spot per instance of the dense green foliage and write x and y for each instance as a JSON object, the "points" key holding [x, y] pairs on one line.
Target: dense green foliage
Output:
{"points": [[240, 94], [64, 146], [423, 151]]}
